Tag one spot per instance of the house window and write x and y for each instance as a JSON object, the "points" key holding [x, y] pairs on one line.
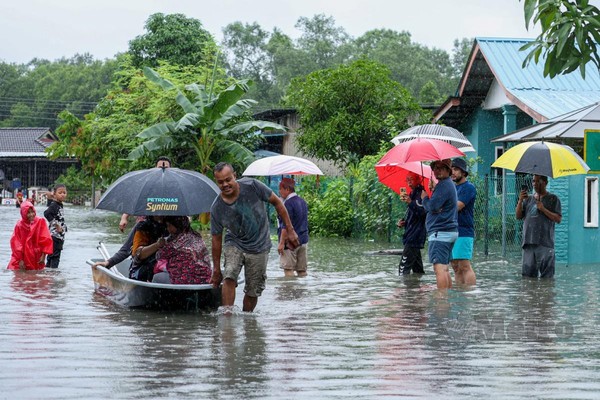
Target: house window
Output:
{"points": [[591, 202], [498, 172]]}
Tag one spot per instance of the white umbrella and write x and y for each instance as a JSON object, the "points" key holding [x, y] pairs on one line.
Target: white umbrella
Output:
{"points": [[439, 132], [282, 165]]}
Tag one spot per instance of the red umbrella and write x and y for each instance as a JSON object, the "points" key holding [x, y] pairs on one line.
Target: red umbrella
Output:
{"points": [[394, 175], [420, 149]]}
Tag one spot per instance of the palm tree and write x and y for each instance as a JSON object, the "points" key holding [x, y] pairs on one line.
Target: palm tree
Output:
{"points": [[206, 124]]}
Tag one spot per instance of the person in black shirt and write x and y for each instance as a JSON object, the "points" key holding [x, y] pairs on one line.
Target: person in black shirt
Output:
{"points": [[414, 227]]}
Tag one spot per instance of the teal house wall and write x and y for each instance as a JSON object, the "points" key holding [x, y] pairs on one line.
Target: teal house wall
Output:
{"points": [[497, 96], [575, 243]]}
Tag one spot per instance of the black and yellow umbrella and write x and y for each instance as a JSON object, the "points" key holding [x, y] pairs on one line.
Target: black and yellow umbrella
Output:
{"points": [[542, 158]]}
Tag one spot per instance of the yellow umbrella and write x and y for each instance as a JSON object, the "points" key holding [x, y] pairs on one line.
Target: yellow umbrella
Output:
{"points": [[542, 158]]}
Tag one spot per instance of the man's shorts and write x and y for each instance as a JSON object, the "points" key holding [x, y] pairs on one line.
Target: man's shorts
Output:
{"points": [[463, 248], [255, 269], [440, 247], [294, 259]]}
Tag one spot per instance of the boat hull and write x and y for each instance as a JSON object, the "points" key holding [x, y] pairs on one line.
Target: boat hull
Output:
{"points": [[117, 287]]}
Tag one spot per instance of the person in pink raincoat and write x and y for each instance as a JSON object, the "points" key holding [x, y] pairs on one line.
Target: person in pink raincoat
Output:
{"points": [[31, 240]]}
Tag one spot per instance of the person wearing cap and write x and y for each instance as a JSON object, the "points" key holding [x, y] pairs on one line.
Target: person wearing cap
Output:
{"points": [[293, 260], [462, 251], [441, 221]]}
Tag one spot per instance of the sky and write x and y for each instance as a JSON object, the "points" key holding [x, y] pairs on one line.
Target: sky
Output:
{"points": [[52, 29]]}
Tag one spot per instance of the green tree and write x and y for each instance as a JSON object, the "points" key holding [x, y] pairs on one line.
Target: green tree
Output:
{"points": [[173, 38], [342, 110], [207, 122], [246, 47], [570, 34], [321, 45], [103, 139], [34, 94], [460, 55], [325, 43], [410, 64], [430, 94]]}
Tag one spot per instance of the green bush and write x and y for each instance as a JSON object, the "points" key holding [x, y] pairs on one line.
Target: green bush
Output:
{"points": [[330, 214], [373, 202]]}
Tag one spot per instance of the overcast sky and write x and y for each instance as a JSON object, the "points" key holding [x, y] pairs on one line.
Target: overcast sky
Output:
{"points": [[52, 29]]}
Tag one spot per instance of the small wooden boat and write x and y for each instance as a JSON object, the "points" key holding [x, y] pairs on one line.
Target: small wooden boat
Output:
{"points": [[115, 285]]}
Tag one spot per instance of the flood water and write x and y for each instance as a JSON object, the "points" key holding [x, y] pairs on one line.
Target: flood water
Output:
{"points": [[351, 329]]}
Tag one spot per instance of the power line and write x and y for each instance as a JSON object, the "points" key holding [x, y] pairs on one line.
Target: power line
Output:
{"points": [[30, 116], [34, 100]]}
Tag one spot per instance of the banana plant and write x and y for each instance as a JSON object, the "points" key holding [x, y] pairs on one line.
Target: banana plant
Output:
{"points": [[207, 122]]}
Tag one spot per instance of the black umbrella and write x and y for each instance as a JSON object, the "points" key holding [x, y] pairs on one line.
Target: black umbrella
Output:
{"points": [[160, 191]]}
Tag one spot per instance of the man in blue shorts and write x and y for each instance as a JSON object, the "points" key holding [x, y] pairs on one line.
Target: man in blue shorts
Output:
{"points": [[241, 210], [441, 222], [462, 252]]}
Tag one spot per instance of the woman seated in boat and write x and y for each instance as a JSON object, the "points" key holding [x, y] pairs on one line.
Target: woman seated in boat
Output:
{"points": [[147, 240], [184, 258]]}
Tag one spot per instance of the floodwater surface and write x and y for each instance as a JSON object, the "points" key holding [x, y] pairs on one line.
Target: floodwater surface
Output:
{"points": [[351, 329]]}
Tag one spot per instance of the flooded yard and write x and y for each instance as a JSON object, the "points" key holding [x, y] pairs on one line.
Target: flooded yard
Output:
{"points": [[351, 329]]}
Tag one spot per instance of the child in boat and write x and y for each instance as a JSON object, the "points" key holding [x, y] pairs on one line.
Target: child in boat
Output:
{"points": [[184, 258], [56, 219], [147, 240], [31, 240]]}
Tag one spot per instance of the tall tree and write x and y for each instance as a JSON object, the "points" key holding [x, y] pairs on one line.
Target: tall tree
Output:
{"points": [[411, 64], [569, 38], [321, 45], [325, 43], [342, 110], [208, 121], [34, 94], [246, 47], [173, 38], [103, 140], [460, 55]]}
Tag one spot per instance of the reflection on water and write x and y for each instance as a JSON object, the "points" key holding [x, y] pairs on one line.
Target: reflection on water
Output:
{"points": [[351, 329]]}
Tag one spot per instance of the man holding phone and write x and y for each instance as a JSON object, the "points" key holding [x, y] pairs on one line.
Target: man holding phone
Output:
{"points": [[540, 213], [413, 223]]}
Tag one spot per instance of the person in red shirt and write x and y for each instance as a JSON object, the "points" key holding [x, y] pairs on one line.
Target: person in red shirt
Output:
{"points": [[31, 240]]}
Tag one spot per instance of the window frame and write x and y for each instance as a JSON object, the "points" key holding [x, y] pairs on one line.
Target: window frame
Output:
{"points": [[498, 172], [590, 202]]}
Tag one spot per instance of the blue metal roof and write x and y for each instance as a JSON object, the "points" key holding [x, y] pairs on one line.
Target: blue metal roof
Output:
{"points": [[546, 96]]}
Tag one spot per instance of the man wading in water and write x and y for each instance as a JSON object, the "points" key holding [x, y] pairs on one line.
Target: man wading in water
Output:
{"points": [[241, 210]]}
